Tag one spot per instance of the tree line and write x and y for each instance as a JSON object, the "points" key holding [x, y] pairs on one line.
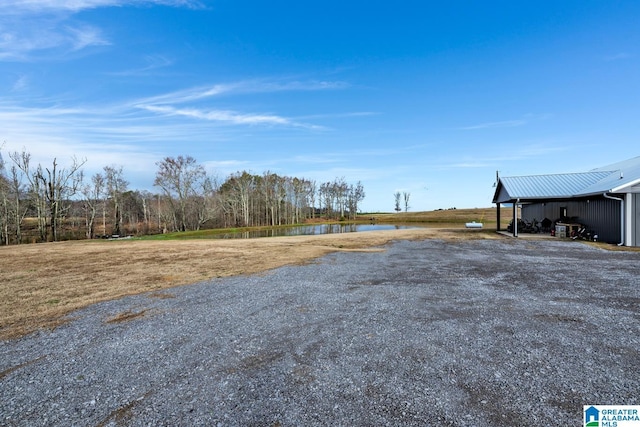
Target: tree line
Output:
{"points": [[41, 203]]}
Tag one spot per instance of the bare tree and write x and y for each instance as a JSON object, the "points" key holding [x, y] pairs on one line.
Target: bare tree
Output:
{"points": [[326, 198], [311, 194], [12, 210], [406, 196], [50, 190], [93, 196], [243, 186], [356, 195], [268, 192], [180, 179], [4, 205], [116, 186], [60, 185], [133, 211], [19, 209], [5, 213], [206, 206], [397, 196], [35, 193], [146, 198]]}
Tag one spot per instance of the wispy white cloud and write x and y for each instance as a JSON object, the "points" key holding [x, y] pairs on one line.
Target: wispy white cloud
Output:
{"points": [[64, 121], [29, 28], [20, 84], [187, 95], [39, 6], [526, 119], [16, 7], [18, 44], [219, 115], [165, 104], [85, 36], [103, 137], [22, 41], [227, 116], [152, 63], [241, 87]]}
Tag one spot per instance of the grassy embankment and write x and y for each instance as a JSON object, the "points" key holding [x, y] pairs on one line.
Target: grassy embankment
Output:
{"points": [[444, 218]]}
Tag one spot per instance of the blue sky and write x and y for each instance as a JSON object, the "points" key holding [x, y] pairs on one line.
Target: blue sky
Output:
{"points": [[424, 97]]}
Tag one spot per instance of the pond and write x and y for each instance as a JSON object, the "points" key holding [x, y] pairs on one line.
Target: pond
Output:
{"points": [[307, 230]]}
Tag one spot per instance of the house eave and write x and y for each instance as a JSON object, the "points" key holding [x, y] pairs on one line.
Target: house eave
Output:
{"points": [[627, 187], [545, 198]]}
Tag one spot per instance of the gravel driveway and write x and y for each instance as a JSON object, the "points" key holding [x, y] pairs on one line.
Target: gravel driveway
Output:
{"points": [[428, 333]]}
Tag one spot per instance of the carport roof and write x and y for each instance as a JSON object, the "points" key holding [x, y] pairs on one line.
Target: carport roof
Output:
{"points": [[609, 179]]}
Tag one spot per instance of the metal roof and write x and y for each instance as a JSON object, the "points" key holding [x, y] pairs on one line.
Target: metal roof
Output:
{"points": [[550, 186], [609, 179], [623, 174]]}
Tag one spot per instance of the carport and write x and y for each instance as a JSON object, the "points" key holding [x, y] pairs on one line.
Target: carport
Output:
{"points": [[608, 199]]}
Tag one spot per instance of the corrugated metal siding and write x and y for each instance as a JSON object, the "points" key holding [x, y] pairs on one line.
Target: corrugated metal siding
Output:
{"points": [[601, 215]]}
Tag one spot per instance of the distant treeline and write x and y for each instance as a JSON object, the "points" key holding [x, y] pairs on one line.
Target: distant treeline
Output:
{"points": [[40, 203]]}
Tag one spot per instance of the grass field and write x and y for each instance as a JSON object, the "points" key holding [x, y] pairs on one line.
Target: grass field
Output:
{"points": [[41, 284], [487, 216]]}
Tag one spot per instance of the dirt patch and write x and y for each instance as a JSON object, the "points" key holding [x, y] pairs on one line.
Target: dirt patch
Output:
{"points": [[125, 316], [22, 365]]}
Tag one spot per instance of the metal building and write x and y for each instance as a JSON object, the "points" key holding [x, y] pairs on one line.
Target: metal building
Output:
{"points": [[607, 200]]}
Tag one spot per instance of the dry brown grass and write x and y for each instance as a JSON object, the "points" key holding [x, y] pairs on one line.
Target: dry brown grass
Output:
{"points": [[446, 217], [41, 284]]}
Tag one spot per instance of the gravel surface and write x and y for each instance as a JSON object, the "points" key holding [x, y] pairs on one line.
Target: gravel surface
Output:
{"points": [[466, 333]]}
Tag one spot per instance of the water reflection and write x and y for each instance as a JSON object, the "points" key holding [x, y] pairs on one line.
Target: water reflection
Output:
{"points": [[307, 230]]}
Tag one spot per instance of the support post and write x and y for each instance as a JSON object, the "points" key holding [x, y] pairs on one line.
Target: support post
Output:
{"points": [[515, 218]]}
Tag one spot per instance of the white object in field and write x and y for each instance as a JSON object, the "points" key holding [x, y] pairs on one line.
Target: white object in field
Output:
{"points": [[473, 224]]}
